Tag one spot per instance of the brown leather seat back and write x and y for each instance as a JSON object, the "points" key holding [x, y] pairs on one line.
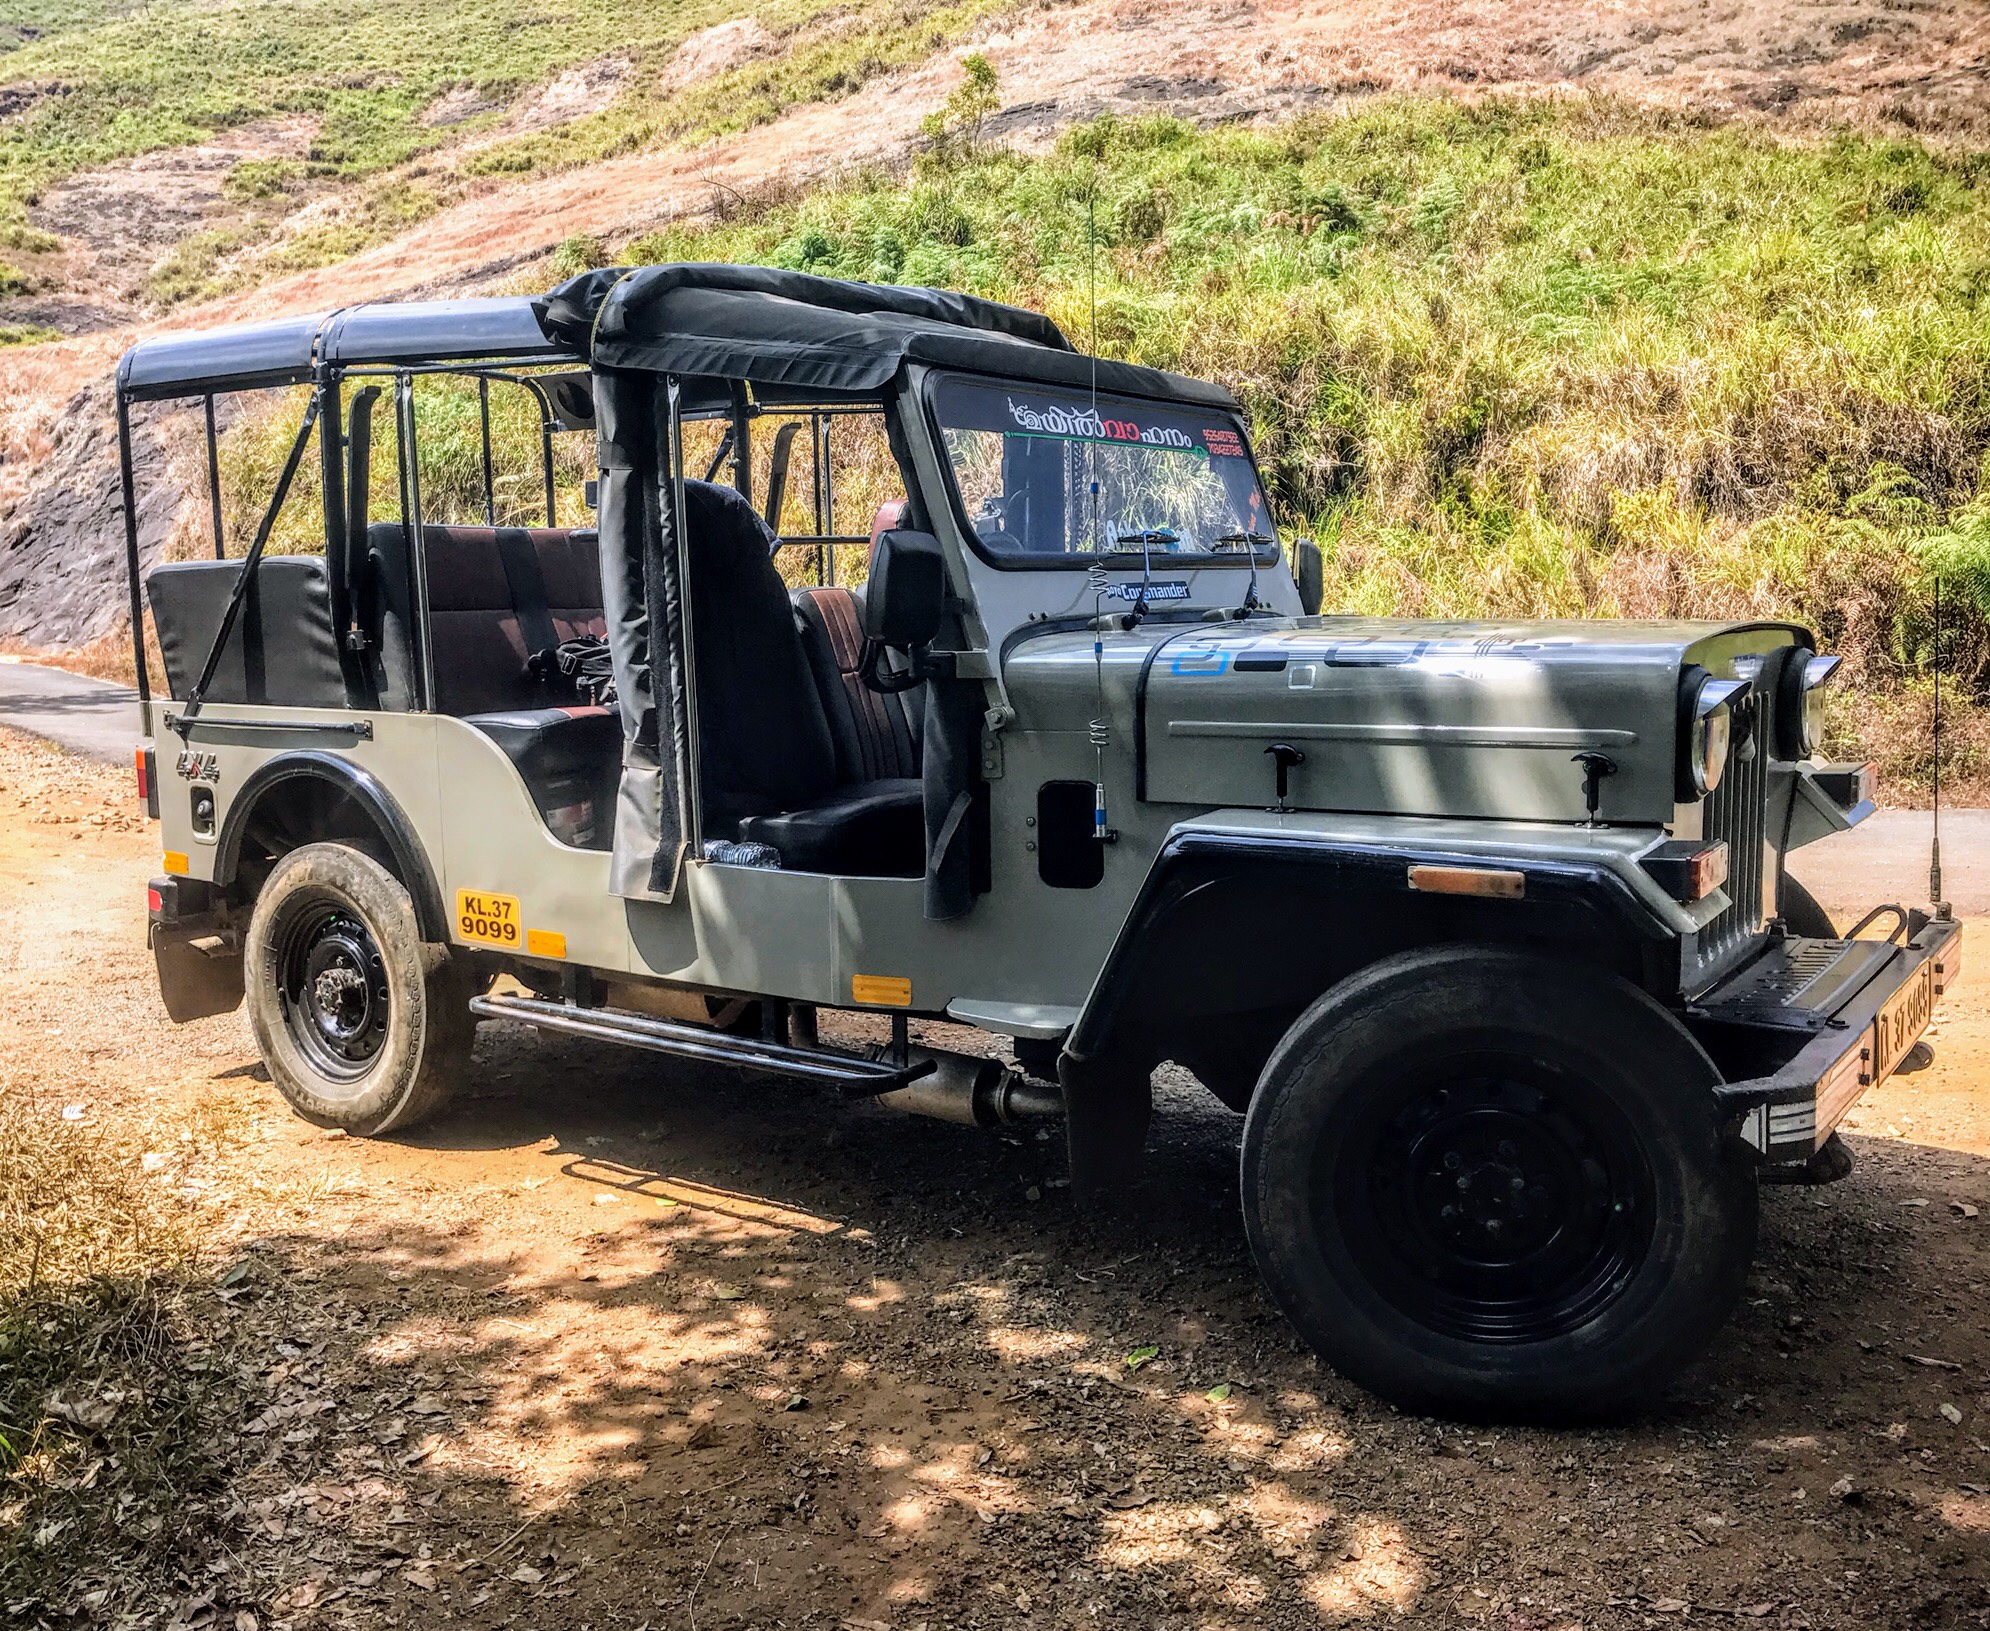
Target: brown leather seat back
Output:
{"points": [[876, 736], [477, 632]]}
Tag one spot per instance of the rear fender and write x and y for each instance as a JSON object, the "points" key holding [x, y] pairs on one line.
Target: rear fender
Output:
{"points": [[367, 809]]}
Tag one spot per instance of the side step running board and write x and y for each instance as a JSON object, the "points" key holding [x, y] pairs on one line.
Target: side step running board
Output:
{"points": [[849, 1071]]}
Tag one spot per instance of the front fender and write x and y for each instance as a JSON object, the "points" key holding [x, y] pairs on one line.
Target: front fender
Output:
{"points": [[1827, 799], [1259, 891]]}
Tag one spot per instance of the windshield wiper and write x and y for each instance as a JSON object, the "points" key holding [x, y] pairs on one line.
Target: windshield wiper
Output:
{"points": [[1242, 540], [1166, 537]]}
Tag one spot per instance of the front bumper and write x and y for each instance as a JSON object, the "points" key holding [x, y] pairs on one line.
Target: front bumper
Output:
{"points": [[1852, 1012]]}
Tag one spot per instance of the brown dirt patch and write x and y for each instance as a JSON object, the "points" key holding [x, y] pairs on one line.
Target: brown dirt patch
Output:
{"points": [[117, 221], [540, 1364]]}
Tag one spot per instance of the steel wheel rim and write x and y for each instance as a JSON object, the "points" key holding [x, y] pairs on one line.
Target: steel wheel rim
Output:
{"points": [[1493, 1199], [332, 988]]}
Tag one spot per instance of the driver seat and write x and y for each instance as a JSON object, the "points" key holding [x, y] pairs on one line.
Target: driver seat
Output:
{"points": [[768, 769]]}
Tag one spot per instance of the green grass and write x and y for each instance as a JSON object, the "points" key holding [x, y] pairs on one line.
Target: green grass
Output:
{"points": [[1520, 359], [173, 72]]}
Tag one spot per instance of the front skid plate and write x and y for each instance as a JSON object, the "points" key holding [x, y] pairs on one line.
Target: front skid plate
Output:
{"points": [[1862, 1003]]}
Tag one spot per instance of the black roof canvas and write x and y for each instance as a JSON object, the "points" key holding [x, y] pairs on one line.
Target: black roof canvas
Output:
{"points": [[788, 333], [289, 350]]}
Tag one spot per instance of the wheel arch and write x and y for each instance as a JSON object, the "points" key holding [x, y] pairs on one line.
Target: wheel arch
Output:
{"points": [[1214, 958], [312, 797]]}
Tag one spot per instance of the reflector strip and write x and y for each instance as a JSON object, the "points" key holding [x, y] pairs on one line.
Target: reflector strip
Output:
{"points": [[154, 901], [882, 990], [144, 781], [175, 862], [1496, 883], [545, 943]]}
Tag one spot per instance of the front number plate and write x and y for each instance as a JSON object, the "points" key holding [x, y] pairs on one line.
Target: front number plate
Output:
{"points": [[488, 920], [1903, 1019]]}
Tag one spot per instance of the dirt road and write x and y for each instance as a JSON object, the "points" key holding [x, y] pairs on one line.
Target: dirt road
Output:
{"points": [[623, 1344]]}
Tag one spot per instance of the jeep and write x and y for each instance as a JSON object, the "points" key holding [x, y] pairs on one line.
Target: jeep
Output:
{"points": [[537, 690]]}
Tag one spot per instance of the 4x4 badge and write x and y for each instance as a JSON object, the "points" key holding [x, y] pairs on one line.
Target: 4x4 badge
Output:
{"points": [[198, 767]]}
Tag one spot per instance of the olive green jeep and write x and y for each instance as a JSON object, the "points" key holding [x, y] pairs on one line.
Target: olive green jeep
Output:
{"points": [[563, 703]]}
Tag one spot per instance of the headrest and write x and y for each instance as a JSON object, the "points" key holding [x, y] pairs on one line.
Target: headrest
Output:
{"points": [[890, 517]]}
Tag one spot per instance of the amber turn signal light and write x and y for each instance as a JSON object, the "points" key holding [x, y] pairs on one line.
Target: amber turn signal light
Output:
{"points": [[1496, 883], [1688, 869]]}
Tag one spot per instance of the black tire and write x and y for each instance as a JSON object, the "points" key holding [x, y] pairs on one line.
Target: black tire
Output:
{"points": [[1798, 909], [362, 1023], [1601, 1232]]}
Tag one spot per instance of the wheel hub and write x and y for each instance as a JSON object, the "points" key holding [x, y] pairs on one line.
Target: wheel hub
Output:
{"points": [[1505, 1206], [1488, 1187], [334, 984]]}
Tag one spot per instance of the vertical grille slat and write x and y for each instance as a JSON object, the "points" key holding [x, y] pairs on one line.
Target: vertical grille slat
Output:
{"points": [[1737, 810]]}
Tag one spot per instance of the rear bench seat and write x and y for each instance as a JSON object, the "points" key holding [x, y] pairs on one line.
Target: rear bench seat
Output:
{"points": [[498, 596], [284, 653], [486, 621]]}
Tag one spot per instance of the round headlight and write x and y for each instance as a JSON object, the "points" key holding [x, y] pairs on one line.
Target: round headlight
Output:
{"points": [[1707, 730], [1713, 734], [1800, 704]]}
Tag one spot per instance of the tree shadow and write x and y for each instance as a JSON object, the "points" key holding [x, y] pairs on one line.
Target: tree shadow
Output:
{"points": [[818, 1363]]}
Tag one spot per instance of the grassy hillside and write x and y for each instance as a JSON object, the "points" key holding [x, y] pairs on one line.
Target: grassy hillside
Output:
{"points": [[384, 82], [1526, 358]]}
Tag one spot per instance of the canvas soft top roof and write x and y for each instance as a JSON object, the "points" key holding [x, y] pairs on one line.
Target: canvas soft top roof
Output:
{"points": [[795, 333], [787, 333], [290, 349]]}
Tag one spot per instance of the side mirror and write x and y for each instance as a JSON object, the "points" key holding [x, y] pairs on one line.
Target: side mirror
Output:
{"points": [[1309, 570], [907, 594]]}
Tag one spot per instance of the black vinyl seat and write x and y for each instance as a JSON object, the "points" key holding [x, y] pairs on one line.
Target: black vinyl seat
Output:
{"points": [[768, 765], [869, 830], [569, 759], [282, 651]]}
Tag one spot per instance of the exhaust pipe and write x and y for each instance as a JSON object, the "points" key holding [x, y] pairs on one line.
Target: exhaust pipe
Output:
{"points": [[972, 1091]]}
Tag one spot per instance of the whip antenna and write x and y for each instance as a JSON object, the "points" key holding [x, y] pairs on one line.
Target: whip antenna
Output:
{"points": [[1935, 847], [1097, 577]]}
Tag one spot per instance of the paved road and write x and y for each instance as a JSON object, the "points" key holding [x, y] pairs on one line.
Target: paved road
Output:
{"points": [[1885, 857], [91, 717]]}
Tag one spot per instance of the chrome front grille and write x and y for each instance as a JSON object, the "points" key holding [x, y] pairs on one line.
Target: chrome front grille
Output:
{"points": [[1737, 810]]}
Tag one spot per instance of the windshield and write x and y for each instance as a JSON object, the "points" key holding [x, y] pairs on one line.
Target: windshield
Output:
{"points": [[1170, 479]]}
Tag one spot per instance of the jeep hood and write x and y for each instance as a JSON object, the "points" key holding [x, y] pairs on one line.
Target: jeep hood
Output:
{"points": [[1391, 714]]}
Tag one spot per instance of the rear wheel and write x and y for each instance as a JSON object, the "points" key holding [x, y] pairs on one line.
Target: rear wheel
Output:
{"points": [[1495, 1186], [362, 1024]]}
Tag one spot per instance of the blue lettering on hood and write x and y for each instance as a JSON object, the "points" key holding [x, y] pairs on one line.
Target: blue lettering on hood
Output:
{"points": [[1200, 662]]}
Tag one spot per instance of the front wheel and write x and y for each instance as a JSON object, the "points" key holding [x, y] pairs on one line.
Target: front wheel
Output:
{"points": [[1490, 1185], [363, 1025]]}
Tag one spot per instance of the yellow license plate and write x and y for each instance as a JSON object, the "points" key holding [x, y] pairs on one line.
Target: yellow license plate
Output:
{"points": [[1903, 1019], [485, 919]]}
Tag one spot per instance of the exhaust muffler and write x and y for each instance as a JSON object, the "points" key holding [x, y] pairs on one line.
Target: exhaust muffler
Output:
{"points": [[972, 1091]]}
